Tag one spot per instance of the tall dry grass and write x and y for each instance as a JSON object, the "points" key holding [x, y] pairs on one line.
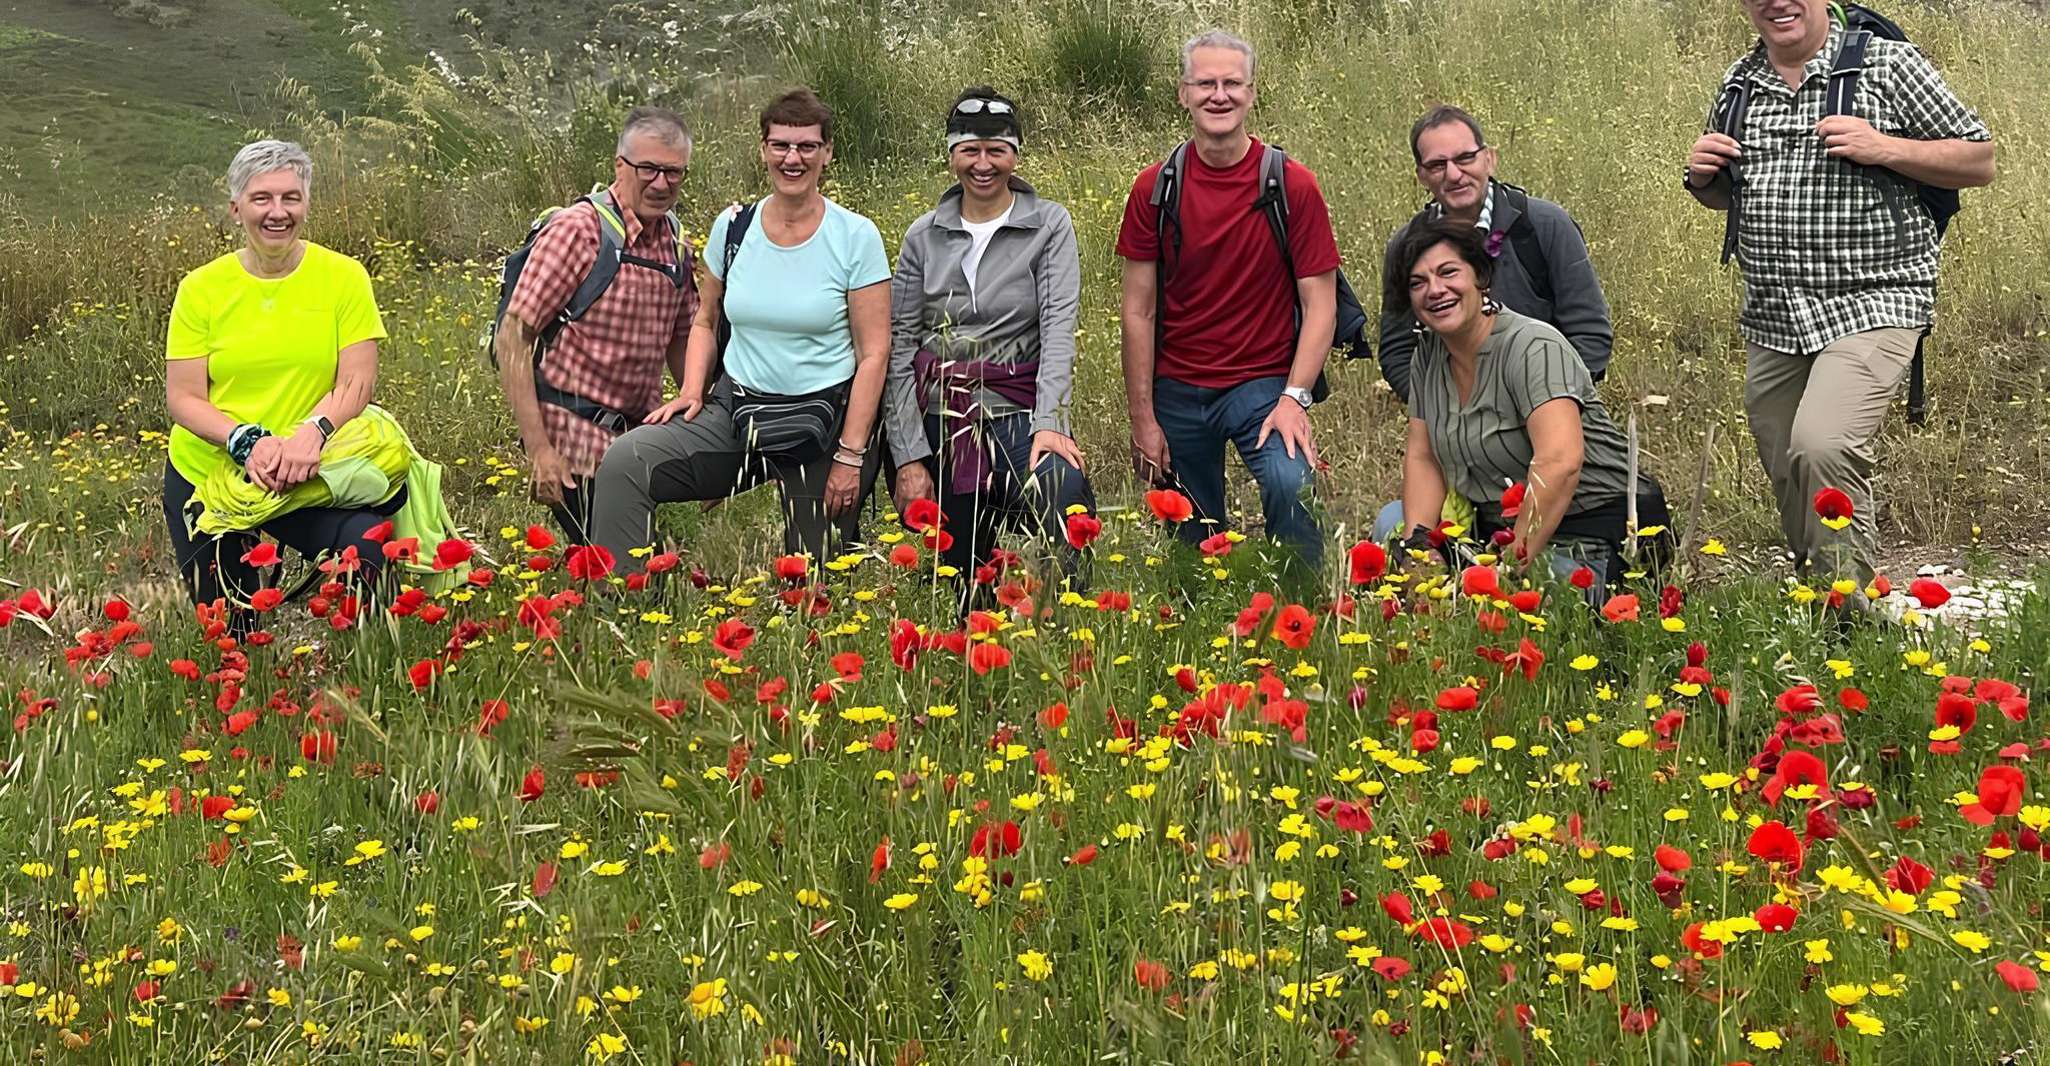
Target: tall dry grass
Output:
{"points": [[1591, 105]]}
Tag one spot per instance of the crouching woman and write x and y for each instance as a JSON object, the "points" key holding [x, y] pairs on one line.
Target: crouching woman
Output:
{"points": [[272, 351], [982, 349], [1498, 401]]}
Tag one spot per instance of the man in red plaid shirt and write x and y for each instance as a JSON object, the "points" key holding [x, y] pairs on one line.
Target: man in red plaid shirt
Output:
{"points": [[602, 373]]}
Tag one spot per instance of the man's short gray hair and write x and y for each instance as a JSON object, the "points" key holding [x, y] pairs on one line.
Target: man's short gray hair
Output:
{"points": [[660, 123], [262, 157], [1218, 39]]}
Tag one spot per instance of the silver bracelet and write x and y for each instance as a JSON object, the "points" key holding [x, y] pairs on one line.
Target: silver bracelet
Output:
{"points": [[844, 461]]}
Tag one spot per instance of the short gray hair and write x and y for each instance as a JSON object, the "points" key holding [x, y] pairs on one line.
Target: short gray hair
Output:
{"points": [[262, 157], [658, 122], [1218, 39]]}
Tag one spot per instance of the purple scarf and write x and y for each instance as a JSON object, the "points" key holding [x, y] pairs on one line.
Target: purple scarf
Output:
{"points": [[966, 457]]}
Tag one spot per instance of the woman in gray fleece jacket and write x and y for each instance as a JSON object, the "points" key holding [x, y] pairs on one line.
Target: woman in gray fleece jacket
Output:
{"points": [[982, 354]]}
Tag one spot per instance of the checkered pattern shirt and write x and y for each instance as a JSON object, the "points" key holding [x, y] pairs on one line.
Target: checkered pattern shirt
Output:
{"points": [[614, 354], [1830, 248]]}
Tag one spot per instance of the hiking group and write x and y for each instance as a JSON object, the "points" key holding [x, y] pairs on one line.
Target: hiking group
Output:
{"points": [[802, 356]]}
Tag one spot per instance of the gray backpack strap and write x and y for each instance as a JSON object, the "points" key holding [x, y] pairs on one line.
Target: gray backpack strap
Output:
{"points": [[611, 245]]}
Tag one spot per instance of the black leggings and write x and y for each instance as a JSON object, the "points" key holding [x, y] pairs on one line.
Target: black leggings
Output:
{"points": [[212, 566]]}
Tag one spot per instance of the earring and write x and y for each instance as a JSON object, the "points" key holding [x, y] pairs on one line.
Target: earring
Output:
{"points": [[1489, 306]]}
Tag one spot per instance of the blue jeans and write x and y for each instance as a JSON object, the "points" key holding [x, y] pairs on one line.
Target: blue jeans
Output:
{"points": [[1197, 421]]}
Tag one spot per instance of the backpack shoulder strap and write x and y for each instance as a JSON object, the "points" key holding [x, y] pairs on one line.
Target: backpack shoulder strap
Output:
{"points": [[611, 245], [1523, 235], [1842, 95], [1273, 202], [1731, 106], [736, 232]]}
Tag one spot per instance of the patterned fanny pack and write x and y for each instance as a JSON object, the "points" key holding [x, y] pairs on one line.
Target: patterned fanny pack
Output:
{"points": [[790, 428]]}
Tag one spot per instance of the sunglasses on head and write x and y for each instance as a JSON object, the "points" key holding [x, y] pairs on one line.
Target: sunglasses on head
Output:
{"points": [[976, 106]]}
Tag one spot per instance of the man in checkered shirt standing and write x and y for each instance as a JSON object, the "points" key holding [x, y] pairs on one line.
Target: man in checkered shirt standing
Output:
{"points": [[1838, 253], [602, 373]]}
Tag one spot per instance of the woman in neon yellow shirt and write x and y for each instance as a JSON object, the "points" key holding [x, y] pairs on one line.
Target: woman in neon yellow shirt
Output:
{"points": [[272, 348]]}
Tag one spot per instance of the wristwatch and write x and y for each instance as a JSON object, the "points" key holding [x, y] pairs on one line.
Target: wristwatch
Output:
{"points": [[326, 428], [1299, 395]]}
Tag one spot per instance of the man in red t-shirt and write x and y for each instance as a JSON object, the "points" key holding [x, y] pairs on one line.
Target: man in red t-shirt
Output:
{"points": [[1220, 357]]}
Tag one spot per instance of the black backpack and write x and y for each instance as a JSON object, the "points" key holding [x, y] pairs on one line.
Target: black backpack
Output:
{"points": [[1861, 24], [1350, 332], [611, 256], [736, 231]]}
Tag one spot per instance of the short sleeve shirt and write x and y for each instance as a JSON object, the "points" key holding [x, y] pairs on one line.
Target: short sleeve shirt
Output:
{"points": [[271, 345], [1230, 310], [613, 355], [1831, 248], [788, 306], [1483, 445]]}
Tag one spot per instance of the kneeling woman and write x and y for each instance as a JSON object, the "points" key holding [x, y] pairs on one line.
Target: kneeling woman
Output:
{"points": [[805, 296], [272, 351], [1498, 400], [982, 347]]}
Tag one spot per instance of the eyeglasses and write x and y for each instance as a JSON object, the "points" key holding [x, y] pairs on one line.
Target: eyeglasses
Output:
{"points": [[977, 106], [1209, 86], [1463, 160], [806, 149], [650, 172]]}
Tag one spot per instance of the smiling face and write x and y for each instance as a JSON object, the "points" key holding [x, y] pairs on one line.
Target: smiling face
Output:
{"points": [[649, 174], [795, 157], [983, 167], [1454, 167], [271, 210], [1217, 91], [1792, 29], [1444, 293]]}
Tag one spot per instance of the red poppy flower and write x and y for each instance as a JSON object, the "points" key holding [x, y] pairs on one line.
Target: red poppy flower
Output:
{"points": [[1621, 608], [1150, 975], [452, 553], [1693, 941], [986, 656], [1957, 709], [1083, 856], [1216, 544], [265, 600], [904, 556], [1907, 875], [923, 514], [1054, 717], [1480, 581], [1776, 917], [1169, 506], [214, 808], [2001, 791], [1398, 907], [1391, 968], [534, 784], [539, 539], [590, 562], [1458, 698], [1832, 504], [317, 746], [1796, 768], [264, 554], [1581, 578], [423, 673], [1083, 529], [1512, 500], [1774, 842], [1671, 859], [1369, 562], [1930, 594], [792, 567], [1445, 933], [1294, 626], [2018, 977], [404, 550], [996, 840], [732, 636]]}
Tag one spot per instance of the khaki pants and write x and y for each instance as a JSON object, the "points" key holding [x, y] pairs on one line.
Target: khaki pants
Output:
{"points": [[1815, 418]]}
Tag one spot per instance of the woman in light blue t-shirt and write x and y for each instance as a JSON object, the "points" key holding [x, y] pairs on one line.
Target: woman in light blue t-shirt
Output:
{"points": [[793, 396]]}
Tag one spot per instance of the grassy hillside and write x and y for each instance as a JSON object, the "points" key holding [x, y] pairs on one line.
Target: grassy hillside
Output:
{"points": [[1591, 105]]}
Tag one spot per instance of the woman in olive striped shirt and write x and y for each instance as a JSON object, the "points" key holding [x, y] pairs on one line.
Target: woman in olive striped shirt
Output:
{"points": [[1499, 400]]}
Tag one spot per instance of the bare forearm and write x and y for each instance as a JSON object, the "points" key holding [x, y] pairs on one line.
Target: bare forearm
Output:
{"points": [[1136, 353], [864, 397], [1951, 164], [349, 397], [1312, 348], [515, 350], [1423, 492], [200, 418], [1549, 492]]}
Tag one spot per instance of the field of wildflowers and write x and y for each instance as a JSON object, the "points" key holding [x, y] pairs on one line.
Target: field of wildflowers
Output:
{"points": [[796, 810]]}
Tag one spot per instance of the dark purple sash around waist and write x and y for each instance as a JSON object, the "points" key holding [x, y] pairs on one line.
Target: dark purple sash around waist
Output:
{"points": [[965, 456]]}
